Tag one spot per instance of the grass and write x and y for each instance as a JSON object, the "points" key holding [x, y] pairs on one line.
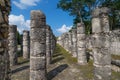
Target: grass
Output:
{"points": [[21, 60], [87, 70], [116, 57], [67, 55], [115, 75]]}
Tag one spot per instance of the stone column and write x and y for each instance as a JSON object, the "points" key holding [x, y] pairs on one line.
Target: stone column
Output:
{"points": [[66, 44], [70, 42], [13, 44], [62, 40], [102, 56], [52, 44], [38, 46], [81, 44], [48, 44], [59, 40], [74, 40], [4, 56], [26, 44]]}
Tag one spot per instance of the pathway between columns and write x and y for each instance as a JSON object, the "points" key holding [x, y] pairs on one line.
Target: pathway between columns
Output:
{"points": [[62, 67]]}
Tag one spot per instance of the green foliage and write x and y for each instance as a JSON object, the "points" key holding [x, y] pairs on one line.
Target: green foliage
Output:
{"points": [[81, 10], [74, 7], [88, 27], [19, 38]]}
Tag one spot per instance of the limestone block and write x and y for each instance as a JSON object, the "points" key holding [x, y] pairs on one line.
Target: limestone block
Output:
{"points": [[37, 63], [102, 57], [96, 27], [102, 73]]}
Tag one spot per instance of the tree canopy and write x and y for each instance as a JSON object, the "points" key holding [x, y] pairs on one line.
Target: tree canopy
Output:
{"points": [[81, 9]]}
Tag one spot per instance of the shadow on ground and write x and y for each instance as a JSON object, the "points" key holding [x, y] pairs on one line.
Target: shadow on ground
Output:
{"points": [[20, 69], [57, 60], [55, 55], [56, 71]]}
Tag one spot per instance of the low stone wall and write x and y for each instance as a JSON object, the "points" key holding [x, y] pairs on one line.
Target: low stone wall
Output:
{"points": [[115, 42]]}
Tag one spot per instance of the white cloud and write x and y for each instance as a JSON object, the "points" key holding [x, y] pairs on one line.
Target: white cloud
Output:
{"points": [[23, 4], [19, 5], [64, 29], [20, 21]]}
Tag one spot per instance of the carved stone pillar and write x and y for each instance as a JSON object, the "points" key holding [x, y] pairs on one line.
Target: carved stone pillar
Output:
{"points": [[26, 44], [13, 44], [74, 40], [81, 44], [38, 46], [4, 56], [102, 56]]}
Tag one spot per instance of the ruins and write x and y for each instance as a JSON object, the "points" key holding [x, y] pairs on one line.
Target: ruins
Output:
{"points": [[5, 9], [13, 44], [81, 44], [39, 46], [26, 44]]}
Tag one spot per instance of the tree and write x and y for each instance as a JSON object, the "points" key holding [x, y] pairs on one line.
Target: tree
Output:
{"points": [[74, 7], [114, 5], [81, 10], [19, 38]]}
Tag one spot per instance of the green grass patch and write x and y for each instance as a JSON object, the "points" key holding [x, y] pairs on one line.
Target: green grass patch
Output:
{"points": [[116, 57], [115, 75], [21, 60], [60, 50], [87, 70]]}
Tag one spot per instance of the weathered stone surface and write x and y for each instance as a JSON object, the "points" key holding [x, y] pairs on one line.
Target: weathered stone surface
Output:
{"points": [[38, 46], [101, 72], [48, 44], [74, 40], [115, 42], [4, 56], [81, 44], [53, 43], [13, 44], [101, 45], [70, 42], [26, 44], [66, 41]]}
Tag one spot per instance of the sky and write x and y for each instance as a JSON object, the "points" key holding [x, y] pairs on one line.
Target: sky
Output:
{"points": [[59, 20]]}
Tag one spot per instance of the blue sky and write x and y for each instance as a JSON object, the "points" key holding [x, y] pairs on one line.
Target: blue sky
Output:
{"points": [[59, 20]]}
